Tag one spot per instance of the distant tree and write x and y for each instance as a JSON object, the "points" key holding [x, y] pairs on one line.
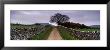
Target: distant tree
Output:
{"points": [[59, 18], [36, 24], [74, 25]]}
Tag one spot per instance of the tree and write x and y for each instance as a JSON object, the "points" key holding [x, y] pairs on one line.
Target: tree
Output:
{"points": [[59, 18]]}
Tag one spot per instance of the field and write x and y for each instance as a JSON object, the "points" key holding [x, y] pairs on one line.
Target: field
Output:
{"points": [[46, 32], [79, 34], [30, 32], [90, 30]]}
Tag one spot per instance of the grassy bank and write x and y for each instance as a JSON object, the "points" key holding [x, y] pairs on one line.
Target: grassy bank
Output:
{"points": [[66, 34], [44, 34]]}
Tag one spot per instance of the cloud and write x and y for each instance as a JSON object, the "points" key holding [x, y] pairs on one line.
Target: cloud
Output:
{"points": [[87, 17]]}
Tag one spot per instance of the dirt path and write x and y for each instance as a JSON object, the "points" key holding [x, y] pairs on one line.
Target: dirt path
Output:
{"points": [[54, 35]]}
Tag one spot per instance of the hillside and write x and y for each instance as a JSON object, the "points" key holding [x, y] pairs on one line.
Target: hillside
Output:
{"points": [[95, 26]]}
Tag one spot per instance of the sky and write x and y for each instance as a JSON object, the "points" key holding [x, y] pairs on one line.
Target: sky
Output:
{"points": [[87, 17]]}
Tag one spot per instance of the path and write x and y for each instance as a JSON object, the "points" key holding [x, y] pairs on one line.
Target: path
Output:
{"points": [[54, 35]]}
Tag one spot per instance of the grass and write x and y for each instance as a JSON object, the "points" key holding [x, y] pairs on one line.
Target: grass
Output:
{"points": [[41, 36], [25, 26], [65, 34], [90, 30], [44, 34]]}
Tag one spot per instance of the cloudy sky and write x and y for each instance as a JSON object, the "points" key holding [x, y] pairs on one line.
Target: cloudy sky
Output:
{"points": [[87, 17]]}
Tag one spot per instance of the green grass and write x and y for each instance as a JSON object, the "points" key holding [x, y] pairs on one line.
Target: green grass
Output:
{"points": [[43, 35], [65, 34], [90, 30], [25, 26]]}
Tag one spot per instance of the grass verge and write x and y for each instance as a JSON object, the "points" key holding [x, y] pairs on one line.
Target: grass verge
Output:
{"points": [[66, 34], [44, 34]]}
